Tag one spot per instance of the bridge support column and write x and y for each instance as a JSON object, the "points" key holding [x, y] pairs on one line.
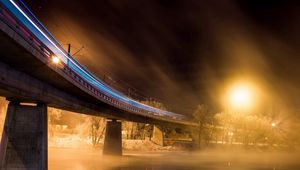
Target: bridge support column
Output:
{"points": [[24, 143], [196, 138], [113, 138], [158, 136]]}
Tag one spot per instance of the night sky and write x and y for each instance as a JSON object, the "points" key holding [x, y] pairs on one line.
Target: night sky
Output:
{"points": [[183, 51]]}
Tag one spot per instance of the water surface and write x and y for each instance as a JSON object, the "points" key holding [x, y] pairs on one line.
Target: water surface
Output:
{"points": [[89, 159]]}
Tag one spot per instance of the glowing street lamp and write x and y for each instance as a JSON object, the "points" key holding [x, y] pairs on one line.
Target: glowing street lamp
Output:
{"points": [[241, 96], [55, 60], [273, 124]]}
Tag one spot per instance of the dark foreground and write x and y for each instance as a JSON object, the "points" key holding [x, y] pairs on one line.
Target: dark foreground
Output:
{"points": [[88, 159]]}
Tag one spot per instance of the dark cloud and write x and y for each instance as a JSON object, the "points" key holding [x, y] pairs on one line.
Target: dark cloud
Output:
{"points": [[183, 52]]}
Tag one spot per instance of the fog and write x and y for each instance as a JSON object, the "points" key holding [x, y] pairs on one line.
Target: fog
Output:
{"points": [[184, 54], [207, 160], [70, 147], [185, 51]]}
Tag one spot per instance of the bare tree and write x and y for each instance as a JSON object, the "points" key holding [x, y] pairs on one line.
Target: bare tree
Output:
{"points": [[205, 120], [54, 115], [97, 129]]}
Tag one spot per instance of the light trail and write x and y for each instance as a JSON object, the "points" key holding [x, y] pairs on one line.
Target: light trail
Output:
{"points": [[83, 72]]}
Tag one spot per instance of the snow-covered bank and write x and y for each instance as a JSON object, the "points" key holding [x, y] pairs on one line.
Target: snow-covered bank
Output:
{"points": [[74, 141]]}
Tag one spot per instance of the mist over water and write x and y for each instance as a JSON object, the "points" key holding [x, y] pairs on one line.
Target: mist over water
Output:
{"points": [[187, 53], [71, 150], [79, 159]]}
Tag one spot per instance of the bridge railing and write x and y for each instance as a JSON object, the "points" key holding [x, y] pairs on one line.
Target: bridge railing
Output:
{"points": [[17, 16], [107, 79]]}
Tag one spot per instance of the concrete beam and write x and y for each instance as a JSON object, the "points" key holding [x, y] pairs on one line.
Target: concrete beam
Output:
{"points": [[26, 73], [16, 85], [24, 143], [113, 138]]}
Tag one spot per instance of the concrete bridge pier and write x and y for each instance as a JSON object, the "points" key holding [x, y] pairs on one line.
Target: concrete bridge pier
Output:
{"points": [[24, 142], [113, 138], [196, 138], [158, 136]]}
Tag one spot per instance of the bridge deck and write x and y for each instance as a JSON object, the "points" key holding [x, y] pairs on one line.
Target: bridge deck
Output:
{"points": [[28, 74]]}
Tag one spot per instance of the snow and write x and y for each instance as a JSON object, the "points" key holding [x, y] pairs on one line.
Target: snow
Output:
{"points": [[74, 141]]}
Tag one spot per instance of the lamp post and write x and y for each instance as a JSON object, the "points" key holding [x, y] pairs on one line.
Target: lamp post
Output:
{"points": [[273, 126], [239, 99]]}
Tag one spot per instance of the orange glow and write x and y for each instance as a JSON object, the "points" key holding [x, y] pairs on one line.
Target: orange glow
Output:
{"points": [[241, 96], [55, 59]]}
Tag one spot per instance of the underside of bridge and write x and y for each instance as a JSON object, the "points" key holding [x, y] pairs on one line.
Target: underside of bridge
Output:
{"points": [[24, 142], [26, 78]]}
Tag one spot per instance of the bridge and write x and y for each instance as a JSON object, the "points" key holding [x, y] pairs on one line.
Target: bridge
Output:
{"points": [[36, 69]]}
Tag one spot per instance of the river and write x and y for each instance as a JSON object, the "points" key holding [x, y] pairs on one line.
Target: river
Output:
{"points": [[91, 159]]}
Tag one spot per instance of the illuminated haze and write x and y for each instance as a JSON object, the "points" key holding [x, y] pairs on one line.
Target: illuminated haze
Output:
{"points": [[185, 52]]}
